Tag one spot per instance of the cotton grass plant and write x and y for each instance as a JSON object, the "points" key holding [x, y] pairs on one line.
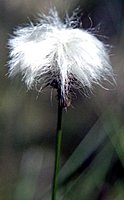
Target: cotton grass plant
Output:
{"points": [[54, 54]]}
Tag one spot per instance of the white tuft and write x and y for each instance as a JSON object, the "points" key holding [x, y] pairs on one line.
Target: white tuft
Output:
{"points": [[51, 51]]}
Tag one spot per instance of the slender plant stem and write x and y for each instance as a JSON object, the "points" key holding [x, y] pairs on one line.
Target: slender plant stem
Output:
{"points": [[57, 151]]}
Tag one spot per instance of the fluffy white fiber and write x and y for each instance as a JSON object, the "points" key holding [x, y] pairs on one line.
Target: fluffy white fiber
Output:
{"points": [[53, 52]]}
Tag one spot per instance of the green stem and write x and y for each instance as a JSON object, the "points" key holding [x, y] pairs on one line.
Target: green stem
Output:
{"points": [[57, 151]]}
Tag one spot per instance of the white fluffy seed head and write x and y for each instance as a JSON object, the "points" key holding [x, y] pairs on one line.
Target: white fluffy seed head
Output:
{"points": [[57, 54]]}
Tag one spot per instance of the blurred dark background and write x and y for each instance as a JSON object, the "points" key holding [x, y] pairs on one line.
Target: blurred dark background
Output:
{"points": [[93, 127]]}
